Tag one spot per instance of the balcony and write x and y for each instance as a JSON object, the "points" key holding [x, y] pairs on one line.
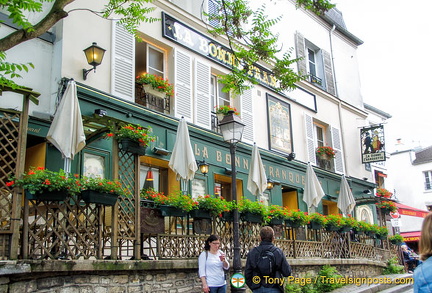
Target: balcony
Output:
{"points": [[161, 103]]}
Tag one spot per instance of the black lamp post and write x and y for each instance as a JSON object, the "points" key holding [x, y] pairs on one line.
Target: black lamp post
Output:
{"points": [[232, 131]]}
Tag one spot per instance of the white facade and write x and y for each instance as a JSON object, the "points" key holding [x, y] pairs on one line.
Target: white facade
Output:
{"points": [[332, 106], [407, 179]]}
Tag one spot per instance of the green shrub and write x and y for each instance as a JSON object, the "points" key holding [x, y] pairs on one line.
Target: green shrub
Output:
{"points": [[393, 267], [326, 281]]}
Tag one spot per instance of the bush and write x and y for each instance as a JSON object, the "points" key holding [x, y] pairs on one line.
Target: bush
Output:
{"points": [[393, 267], [324, 284]]}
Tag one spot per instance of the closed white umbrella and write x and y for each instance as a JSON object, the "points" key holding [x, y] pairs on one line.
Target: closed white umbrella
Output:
{"points": [[313, 192], [257, 181], [66, 132], [182, 160], [346, 201]]}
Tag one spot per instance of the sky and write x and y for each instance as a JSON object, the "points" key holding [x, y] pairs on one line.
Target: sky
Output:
{"points": [[395, 63]]}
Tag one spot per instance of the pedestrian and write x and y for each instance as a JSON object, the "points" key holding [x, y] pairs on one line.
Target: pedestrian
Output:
{"points": [[423, 273], [266, 264], [212, 264]]}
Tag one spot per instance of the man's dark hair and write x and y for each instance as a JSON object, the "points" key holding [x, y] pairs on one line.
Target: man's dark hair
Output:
{"points": [[267, 234], [210, 239]]}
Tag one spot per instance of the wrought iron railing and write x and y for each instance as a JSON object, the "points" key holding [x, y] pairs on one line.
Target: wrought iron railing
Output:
{"points": [[160, 104]]}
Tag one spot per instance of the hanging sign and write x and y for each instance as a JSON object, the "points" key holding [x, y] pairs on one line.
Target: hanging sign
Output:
{"points": [[372, 144]]}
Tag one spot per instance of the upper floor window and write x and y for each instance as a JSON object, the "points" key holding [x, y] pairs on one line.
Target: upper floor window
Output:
{"points": [[218, 98], [315, 62], [428, 180], [149, 59]]}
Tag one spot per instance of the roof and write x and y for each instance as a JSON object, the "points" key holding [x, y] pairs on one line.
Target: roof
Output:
{"points": [[423, 156], [377, 111], [411, 211], [335, 17]]}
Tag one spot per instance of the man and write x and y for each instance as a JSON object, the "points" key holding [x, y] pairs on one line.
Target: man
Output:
{"points": [[266, 253]]}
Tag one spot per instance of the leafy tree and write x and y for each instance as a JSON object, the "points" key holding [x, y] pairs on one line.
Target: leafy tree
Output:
{"points": [[249, 34]]}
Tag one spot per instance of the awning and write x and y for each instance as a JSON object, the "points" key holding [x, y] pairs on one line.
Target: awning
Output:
{"points": [[411, 236], [410, 211]]}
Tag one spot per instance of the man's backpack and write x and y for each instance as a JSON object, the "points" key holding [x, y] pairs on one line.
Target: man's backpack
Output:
{"points": [[266, 262]]}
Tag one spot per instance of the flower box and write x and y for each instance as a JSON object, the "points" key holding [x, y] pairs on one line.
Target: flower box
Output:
{"points": [[131, 146], [315, 226], [345, 229], [276, 221], [292, 224], [200, 214], [170, 211], [150, 90], [228, 216], [332, 228], [251, 217], [58, 195], [103, 198]]}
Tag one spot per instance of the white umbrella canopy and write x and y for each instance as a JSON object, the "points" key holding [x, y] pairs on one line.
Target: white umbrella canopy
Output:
{"points": [[346, 201], [66, 132], [257, 181], [182, 160], [313, 191]]}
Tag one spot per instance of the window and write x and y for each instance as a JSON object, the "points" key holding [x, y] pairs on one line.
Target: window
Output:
{"points": [[149, 59], [428, 180], [314, 63], [218, 98]]}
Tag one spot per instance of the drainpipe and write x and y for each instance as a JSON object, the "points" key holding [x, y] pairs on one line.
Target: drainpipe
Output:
{"points": [[340, 102]]}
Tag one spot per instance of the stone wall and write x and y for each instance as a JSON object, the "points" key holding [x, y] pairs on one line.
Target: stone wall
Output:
{"points": [[163, 276]]}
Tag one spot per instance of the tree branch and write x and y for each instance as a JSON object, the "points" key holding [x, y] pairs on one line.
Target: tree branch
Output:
{"points": [[56, 13]]}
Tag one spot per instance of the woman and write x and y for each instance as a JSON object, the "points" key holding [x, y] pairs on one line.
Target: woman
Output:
{"points": [[423, 273], [212, 263]]}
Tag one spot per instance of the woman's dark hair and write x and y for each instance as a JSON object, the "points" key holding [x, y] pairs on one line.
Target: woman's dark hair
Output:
{"points": [[210, 239]]}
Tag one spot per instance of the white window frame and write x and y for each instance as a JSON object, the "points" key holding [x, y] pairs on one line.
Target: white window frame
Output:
{"points": [[148, 68], [428, 180]]}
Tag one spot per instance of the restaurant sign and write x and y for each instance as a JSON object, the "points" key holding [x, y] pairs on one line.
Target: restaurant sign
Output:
{"points": [[372, 144], [191, 39]]}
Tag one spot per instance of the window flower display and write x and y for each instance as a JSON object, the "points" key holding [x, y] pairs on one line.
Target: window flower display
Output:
{"points": [[225, 109], [326, 152], [386, 206], [158, 83], [382, 192], [136, 133]]}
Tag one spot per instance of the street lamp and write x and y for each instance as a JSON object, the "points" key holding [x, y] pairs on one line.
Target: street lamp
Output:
{"points": [[232, 131]]}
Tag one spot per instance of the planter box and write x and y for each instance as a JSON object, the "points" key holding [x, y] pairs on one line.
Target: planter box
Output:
{"points": [[276, 221], [315, 226], [150, 90], [91, 196], [131, 146], [345, 229], [47, 195], [228, 216], [251, 217], [332, 228], [170, 211], [200, 214], [292, 224]]}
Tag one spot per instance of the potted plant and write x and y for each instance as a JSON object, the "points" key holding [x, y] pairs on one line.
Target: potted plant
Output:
{"points": [[251, 211], [221, 111], [382, 192], [133, 138], [316, 221], [381, 232], [101, 191], [386, 206], [155, 85], [334, 222], [350, 224], [325, 152], [176, 204], [43, 184], [275, 215], [296, 218], [396, 239], [212, 205]]}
